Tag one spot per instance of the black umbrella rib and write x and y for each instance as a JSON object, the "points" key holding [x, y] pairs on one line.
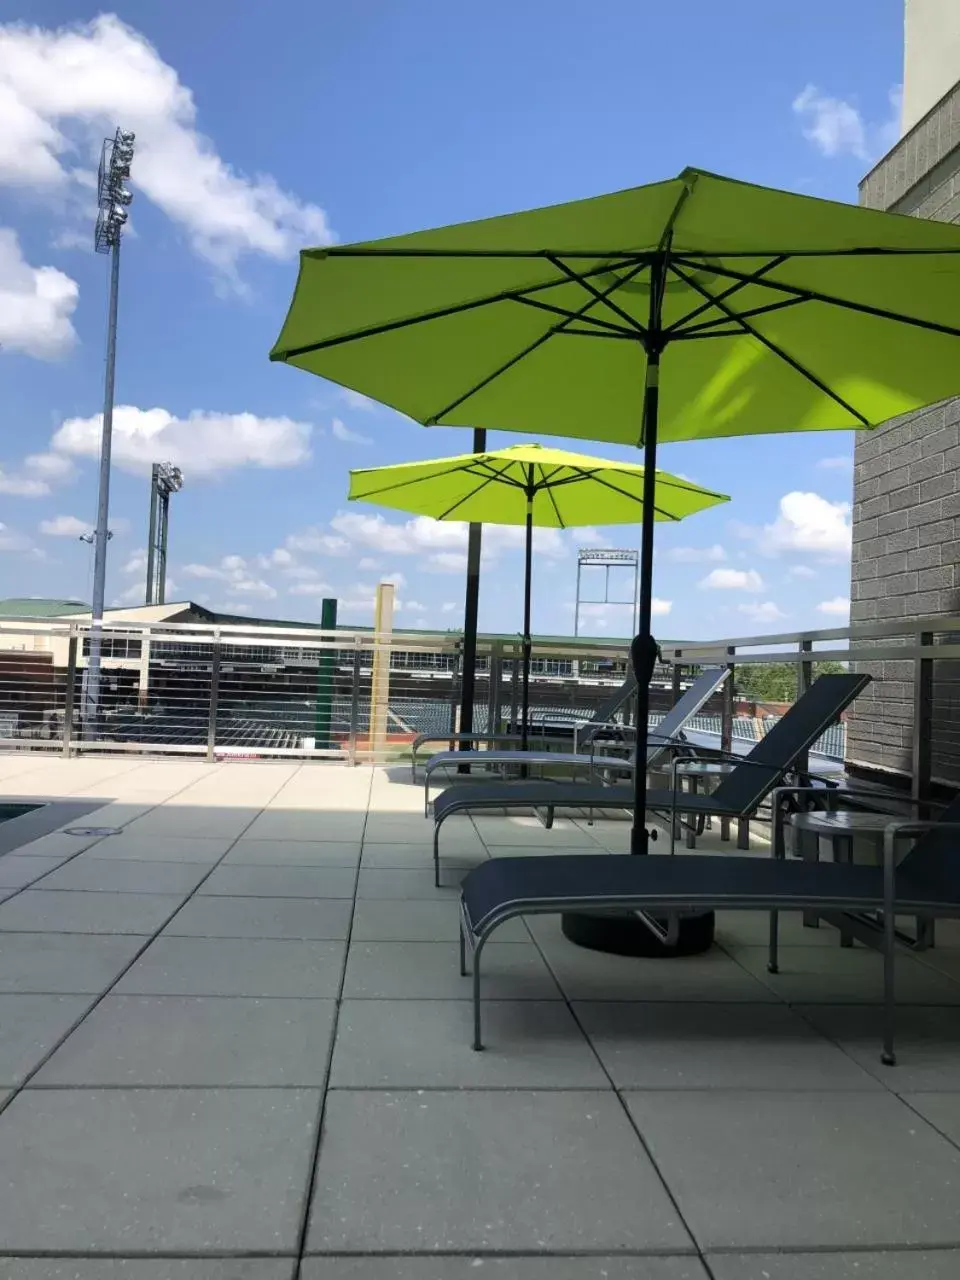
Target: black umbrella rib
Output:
{"points": [[708, 327], [577, 278], [441, 313], [812, 295], [681, 324], [804, 372], [604, 328], [547, 485], [663, 478], [489, 479], [667, 515], [707, 257], [434, 418]]}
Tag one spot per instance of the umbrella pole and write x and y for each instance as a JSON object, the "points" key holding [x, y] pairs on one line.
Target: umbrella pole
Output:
{"points": [[470, 615], [642, 651], [527, 643]]}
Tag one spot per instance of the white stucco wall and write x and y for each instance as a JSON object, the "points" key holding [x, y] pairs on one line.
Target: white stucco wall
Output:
{"points": [[931, 56]]}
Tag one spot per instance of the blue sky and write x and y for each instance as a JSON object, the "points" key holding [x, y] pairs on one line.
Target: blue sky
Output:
{"points": [[257, 136]]}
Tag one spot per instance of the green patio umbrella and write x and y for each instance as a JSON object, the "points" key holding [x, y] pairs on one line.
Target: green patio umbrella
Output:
{"points": [[528, 485], [695, 307]]}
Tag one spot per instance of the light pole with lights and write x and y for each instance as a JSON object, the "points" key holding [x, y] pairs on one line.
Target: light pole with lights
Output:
{"points": [[165, 480], [113, 198]]}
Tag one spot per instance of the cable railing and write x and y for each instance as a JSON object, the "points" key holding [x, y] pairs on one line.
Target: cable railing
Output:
{"points": [[235, 691]]}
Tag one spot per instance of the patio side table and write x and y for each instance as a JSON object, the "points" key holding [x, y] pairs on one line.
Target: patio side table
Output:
{"points": [[842, 827], [706, 776]]}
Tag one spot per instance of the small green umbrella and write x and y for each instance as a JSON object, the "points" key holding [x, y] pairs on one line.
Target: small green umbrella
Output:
{"points": [[528, 485], [695, 307]]}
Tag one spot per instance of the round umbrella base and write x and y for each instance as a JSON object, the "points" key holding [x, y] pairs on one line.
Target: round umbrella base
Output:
{"points": [[625, 935]]}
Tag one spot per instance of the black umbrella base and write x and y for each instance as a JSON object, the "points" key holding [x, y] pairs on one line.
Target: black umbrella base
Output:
{"points": [[625, 935]]}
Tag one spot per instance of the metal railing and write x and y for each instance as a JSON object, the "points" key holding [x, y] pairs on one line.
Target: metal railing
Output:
{"points": [[234, 691]]}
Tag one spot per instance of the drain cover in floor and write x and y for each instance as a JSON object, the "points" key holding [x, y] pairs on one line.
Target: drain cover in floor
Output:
{"points": [[91, 831]]}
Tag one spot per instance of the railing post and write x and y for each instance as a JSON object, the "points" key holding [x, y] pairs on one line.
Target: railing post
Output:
{"points": [[922, 721], [726, 725], [70, 693], [354, 706], [214, 698], [804, 681], [675, 683], [493, 693]]}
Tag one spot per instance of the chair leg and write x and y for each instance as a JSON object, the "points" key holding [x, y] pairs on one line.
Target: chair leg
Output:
{"points": [[844, 846], [436, 855], [888, 1057], [477, 1037], [463, 953], [773, 958]]}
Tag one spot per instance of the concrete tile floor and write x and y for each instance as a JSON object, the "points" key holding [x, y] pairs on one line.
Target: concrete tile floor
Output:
{"points": [[234, 1045]]}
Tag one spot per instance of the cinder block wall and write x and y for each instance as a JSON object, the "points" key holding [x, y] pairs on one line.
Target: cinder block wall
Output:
{"points": [[906, 509]]}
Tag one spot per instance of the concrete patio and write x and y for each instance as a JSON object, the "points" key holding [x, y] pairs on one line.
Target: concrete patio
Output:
{"points": [[234, 1043]]}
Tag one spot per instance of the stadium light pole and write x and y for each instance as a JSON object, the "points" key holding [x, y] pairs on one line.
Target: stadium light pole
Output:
{"points": [[113, 198]]}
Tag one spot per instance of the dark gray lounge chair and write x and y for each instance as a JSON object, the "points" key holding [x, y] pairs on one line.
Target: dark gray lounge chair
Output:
{"points": [[667, 733], [925, 884], [739, 795], [599, 720]]}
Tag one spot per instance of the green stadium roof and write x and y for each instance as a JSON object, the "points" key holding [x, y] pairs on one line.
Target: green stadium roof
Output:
{"points": [[35, 607]]}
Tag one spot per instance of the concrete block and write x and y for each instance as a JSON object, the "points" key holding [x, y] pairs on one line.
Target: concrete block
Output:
{"points": [[188, 1171]]}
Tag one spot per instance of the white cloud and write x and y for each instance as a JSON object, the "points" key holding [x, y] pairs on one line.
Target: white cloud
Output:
{"points": [[36, 477], [62, 90], [204, 444], [356, 400], [450, 606], [441, 544], [694, 555], [808, 522], [65, 527], [765, 612], [136, 562], [368, 563], [801, 571], [732, 580], [235, 572], [311, 589], [837, 127], [588, 536], [834, 126], [838, 607], [36, 303], [341, 431], [843, 462], [13, 539]]}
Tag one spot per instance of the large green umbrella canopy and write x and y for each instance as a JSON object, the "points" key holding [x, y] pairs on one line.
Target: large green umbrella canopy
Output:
{"points": [[531, 486], [689, 308]]}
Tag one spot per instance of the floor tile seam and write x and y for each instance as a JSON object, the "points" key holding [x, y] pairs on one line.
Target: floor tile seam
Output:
{"points": [[843, 1250], [190, 995], [925, 1120], [147, 940], [207, 1086], [317, 1138], [658, 1172]]}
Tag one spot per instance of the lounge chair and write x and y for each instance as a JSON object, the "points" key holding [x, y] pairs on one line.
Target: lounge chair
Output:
{"points": [[599, 720], [668, 732], [926, 884], [739, 795]]}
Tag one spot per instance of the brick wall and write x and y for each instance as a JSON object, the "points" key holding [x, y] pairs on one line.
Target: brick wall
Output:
{"points": [[906, 512]]}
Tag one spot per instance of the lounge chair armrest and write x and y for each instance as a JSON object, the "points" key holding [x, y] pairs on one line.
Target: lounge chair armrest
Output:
{"points": [[895, 831]]}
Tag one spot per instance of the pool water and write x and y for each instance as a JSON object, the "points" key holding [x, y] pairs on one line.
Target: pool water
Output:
{"points": [[8, 811]]}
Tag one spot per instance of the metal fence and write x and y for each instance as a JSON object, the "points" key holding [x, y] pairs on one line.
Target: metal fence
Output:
{"points": [[221, 692]]}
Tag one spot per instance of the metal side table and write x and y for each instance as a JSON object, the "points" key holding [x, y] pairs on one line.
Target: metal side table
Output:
{"points": [[842, 827], [705, 776]]}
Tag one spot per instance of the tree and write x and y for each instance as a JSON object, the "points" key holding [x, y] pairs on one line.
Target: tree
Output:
{"points": [[776, 681]]}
